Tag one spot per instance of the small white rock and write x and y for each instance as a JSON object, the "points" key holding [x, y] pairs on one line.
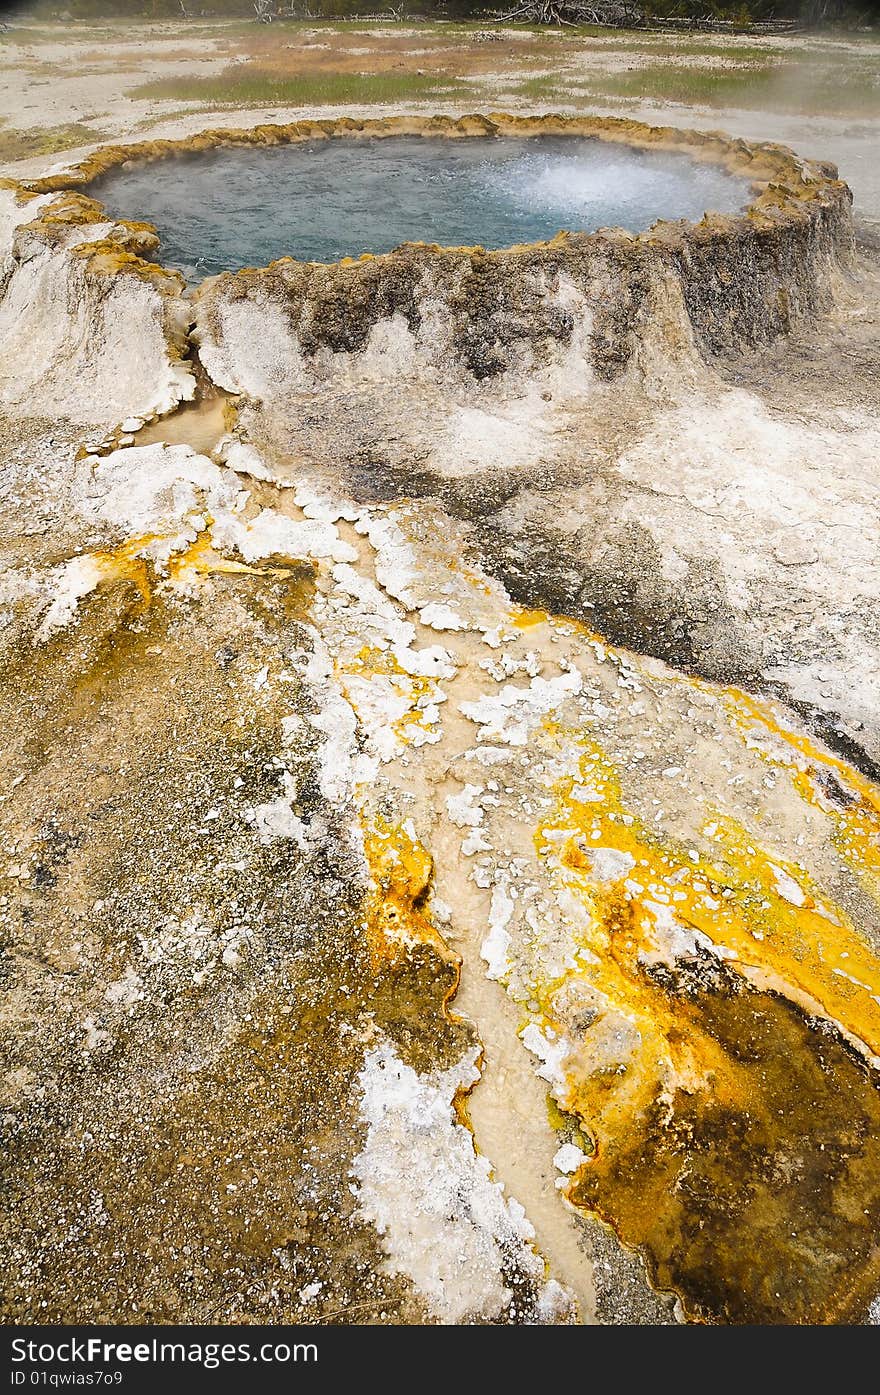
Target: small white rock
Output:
{"points": [[569, 1158]]}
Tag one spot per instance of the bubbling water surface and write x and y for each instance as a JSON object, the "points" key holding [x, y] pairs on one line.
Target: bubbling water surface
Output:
{"points": [[324, 200]]}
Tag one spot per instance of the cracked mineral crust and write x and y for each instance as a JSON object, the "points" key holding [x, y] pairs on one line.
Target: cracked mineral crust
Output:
{"points": [[439, 847]]}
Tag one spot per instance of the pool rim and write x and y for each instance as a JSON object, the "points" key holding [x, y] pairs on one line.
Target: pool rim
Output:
{"points": [[785, 188], [746, 187]]}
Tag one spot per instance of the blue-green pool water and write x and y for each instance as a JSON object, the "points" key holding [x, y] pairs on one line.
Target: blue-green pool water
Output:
{"points": [[230, 208]]}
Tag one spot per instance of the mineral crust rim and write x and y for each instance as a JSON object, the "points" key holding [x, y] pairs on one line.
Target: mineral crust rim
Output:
{"points": [[784, 185]]}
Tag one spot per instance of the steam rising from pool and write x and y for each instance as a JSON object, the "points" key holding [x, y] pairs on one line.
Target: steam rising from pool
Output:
{"points": [[329, 199]]}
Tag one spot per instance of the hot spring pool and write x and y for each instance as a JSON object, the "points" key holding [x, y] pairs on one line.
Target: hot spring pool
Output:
{"points": [[323, 200]]}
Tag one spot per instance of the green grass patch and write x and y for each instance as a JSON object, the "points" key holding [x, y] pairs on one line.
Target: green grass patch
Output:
{"points": [[796, 88], [245, 85], [49, 140], [19, 34], [544, 88], [673, 82]]}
